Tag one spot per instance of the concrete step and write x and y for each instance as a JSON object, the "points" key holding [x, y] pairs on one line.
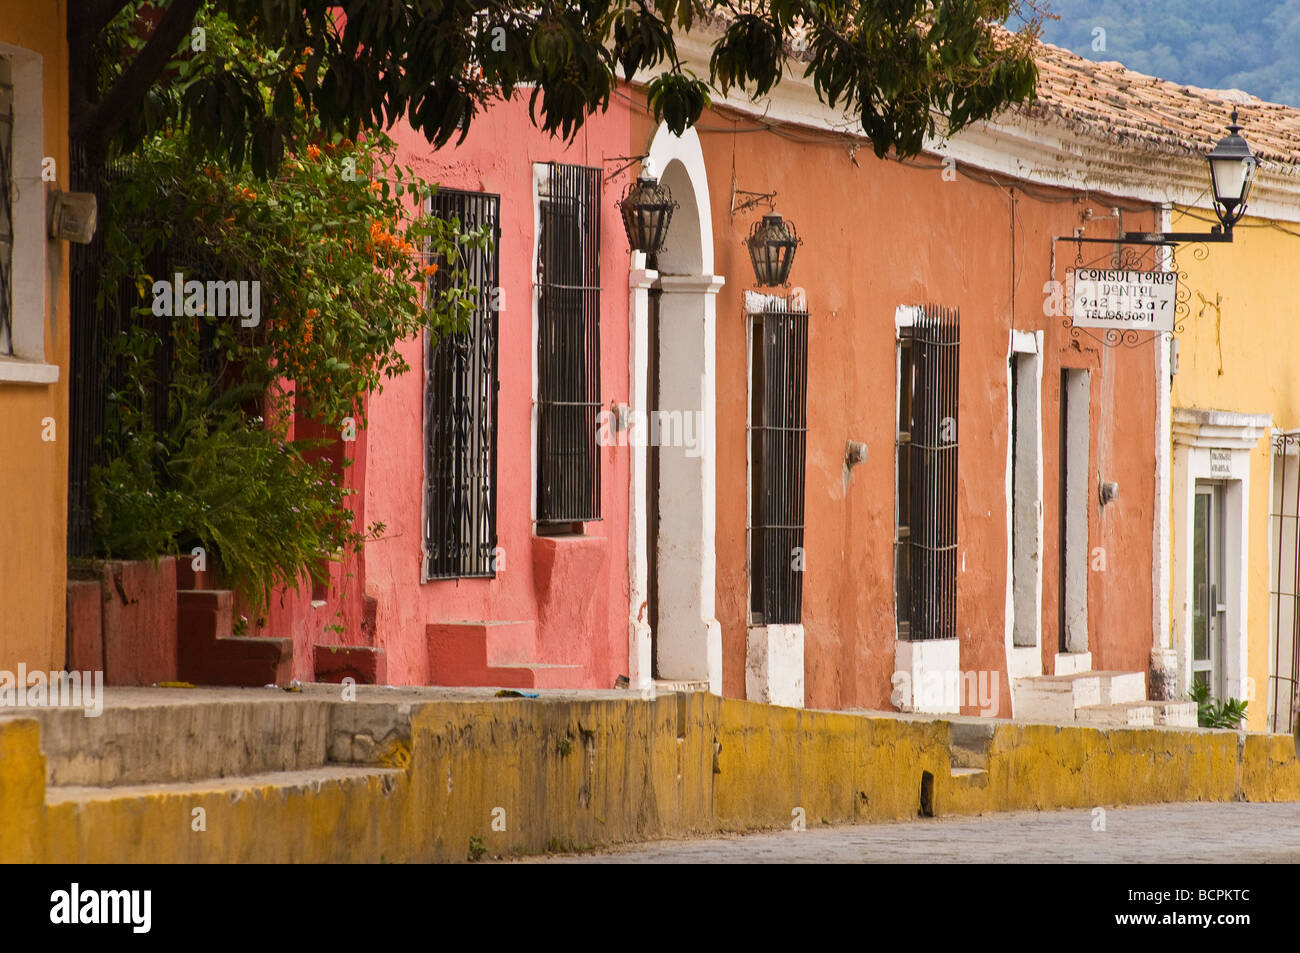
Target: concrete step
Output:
{"points": [[492, 653], [1132, 714], [364, 664], [267, 784], [1118, 687], [1054, 698], [668, 686], [163, 736], [208, 654], [1072, 663], [1176, 714], [969, 743]]}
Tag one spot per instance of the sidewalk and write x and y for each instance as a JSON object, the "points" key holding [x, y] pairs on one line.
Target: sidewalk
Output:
{"points": [[443, 774], [1153, 834]]}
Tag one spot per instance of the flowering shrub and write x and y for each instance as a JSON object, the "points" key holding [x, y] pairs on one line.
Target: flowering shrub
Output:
{"points": [[341, 255]]}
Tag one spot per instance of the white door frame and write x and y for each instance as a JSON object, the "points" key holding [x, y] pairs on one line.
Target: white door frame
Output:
{"points": [[1026, 346], [1214, 445], [689, 642]]}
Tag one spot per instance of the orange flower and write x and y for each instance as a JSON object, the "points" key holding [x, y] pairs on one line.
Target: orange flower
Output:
{"points": [[313, 152], [430, 270], [312, 313]]}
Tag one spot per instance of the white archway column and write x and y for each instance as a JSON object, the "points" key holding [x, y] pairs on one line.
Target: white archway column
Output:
{"points": [[640, 670], [689, 641]]}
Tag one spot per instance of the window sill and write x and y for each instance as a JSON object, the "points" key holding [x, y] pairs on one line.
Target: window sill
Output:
{"points": [[18, 371]]}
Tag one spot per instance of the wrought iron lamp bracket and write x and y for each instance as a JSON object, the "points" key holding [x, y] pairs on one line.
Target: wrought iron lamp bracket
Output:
{"points": [[751, 200], [628, 162]]}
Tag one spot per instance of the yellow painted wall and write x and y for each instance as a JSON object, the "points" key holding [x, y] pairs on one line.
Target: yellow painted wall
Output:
{"points": [[33, 471], [1244, 356], [596, 772]]}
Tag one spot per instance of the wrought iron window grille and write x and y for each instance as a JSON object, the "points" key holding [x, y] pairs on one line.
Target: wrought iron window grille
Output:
{"points": [[926, 495], [6, 218], [568, 347], [461, 407], [778, 433]]}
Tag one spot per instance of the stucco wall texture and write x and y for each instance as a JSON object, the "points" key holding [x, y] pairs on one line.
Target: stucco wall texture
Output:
{"points": [[575, 589], [879, 234], [33, 470], [1240, 357]]}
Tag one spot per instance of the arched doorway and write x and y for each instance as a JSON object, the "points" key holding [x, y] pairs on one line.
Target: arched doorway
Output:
{"points": [[673, 633]]}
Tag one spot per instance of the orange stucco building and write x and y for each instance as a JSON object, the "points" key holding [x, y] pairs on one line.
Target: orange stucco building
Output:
{"points": [[33, 337], [1044, 543]]}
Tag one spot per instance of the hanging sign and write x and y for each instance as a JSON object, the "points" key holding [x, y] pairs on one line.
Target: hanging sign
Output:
{"points": [[1124, 300]]}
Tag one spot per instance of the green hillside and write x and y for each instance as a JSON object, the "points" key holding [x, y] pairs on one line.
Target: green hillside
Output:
{"points": [[1251, 46]]}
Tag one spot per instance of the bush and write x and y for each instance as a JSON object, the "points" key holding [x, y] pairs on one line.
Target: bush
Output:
{"points": [[342, 256]]}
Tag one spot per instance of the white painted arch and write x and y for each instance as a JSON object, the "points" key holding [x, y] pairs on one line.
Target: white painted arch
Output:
{"points": [[689, 642]]}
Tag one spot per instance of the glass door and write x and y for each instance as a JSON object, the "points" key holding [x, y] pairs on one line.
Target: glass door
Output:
{"points": [[1207, 586]]}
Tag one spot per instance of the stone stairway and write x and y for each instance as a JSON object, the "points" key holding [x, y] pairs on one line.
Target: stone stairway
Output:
{"points": [[496, 653], [1077, 694], [241, 742]]}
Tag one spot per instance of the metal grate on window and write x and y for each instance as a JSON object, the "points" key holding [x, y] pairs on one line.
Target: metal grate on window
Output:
{"points": [[1284, 678], [926, 547], [568, 346], [778, 435], [460, 412], [6, 217]]}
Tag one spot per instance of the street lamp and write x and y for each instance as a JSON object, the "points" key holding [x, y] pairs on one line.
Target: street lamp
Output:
{"points": [[1232, 170], [647, 208], [772, 243]]}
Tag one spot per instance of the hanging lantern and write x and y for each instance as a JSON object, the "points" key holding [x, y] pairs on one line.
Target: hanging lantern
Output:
{"points": [[647, 208], [772, 243], [1232, 170]]}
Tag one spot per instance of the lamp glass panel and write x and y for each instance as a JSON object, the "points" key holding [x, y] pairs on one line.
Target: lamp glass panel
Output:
{"points": [[1230, 178]]}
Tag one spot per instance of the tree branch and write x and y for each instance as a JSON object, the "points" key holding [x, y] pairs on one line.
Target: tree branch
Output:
{"points": [[100, 121]]}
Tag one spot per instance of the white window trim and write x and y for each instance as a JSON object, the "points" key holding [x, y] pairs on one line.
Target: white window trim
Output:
{"points": [[905, 316], [1079, 503], [30, 291], [541, 186]]}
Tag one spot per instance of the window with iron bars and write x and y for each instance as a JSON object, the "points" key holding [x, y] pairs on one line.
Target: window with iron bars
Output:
{"points": [[568, 348], [460, 413], [6, 209], [925, 551], [778, 432]]}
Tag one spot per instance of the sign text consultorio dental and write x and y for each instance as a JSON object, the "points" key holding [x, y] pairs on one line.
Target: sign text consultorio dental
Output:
{"points": [[1124, 300]]}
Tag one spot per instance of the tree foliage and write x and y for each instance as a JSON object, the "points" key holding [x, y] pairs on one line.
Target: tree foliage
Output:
{"points": [[900, 66], [341, 255]]}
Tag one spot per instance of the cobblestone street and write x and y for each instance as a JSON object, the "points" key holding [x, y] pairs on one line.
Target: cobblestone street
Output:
{"points": [[1167, 833]]}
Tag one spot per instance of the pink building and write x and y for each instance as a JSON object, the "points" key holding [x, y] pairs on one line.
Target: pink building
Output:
{"points": [[505, 560]]}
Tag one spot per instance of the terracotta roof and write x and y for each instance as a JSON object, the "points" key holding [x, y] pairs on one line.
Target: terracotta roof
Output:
{"points": [[1118, 105]]}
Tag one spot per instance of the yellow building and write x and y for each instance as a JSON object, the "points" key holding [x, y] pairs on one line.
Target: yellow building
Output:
{"points": [[34, 322], [1236, 431]]}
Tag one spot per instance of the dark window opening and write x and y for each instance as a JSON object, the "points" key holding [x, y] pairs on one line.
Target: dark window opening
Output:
{"points": [[568, 347], [460, 535], [778, 449], [925, 587], [6, 210]]}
